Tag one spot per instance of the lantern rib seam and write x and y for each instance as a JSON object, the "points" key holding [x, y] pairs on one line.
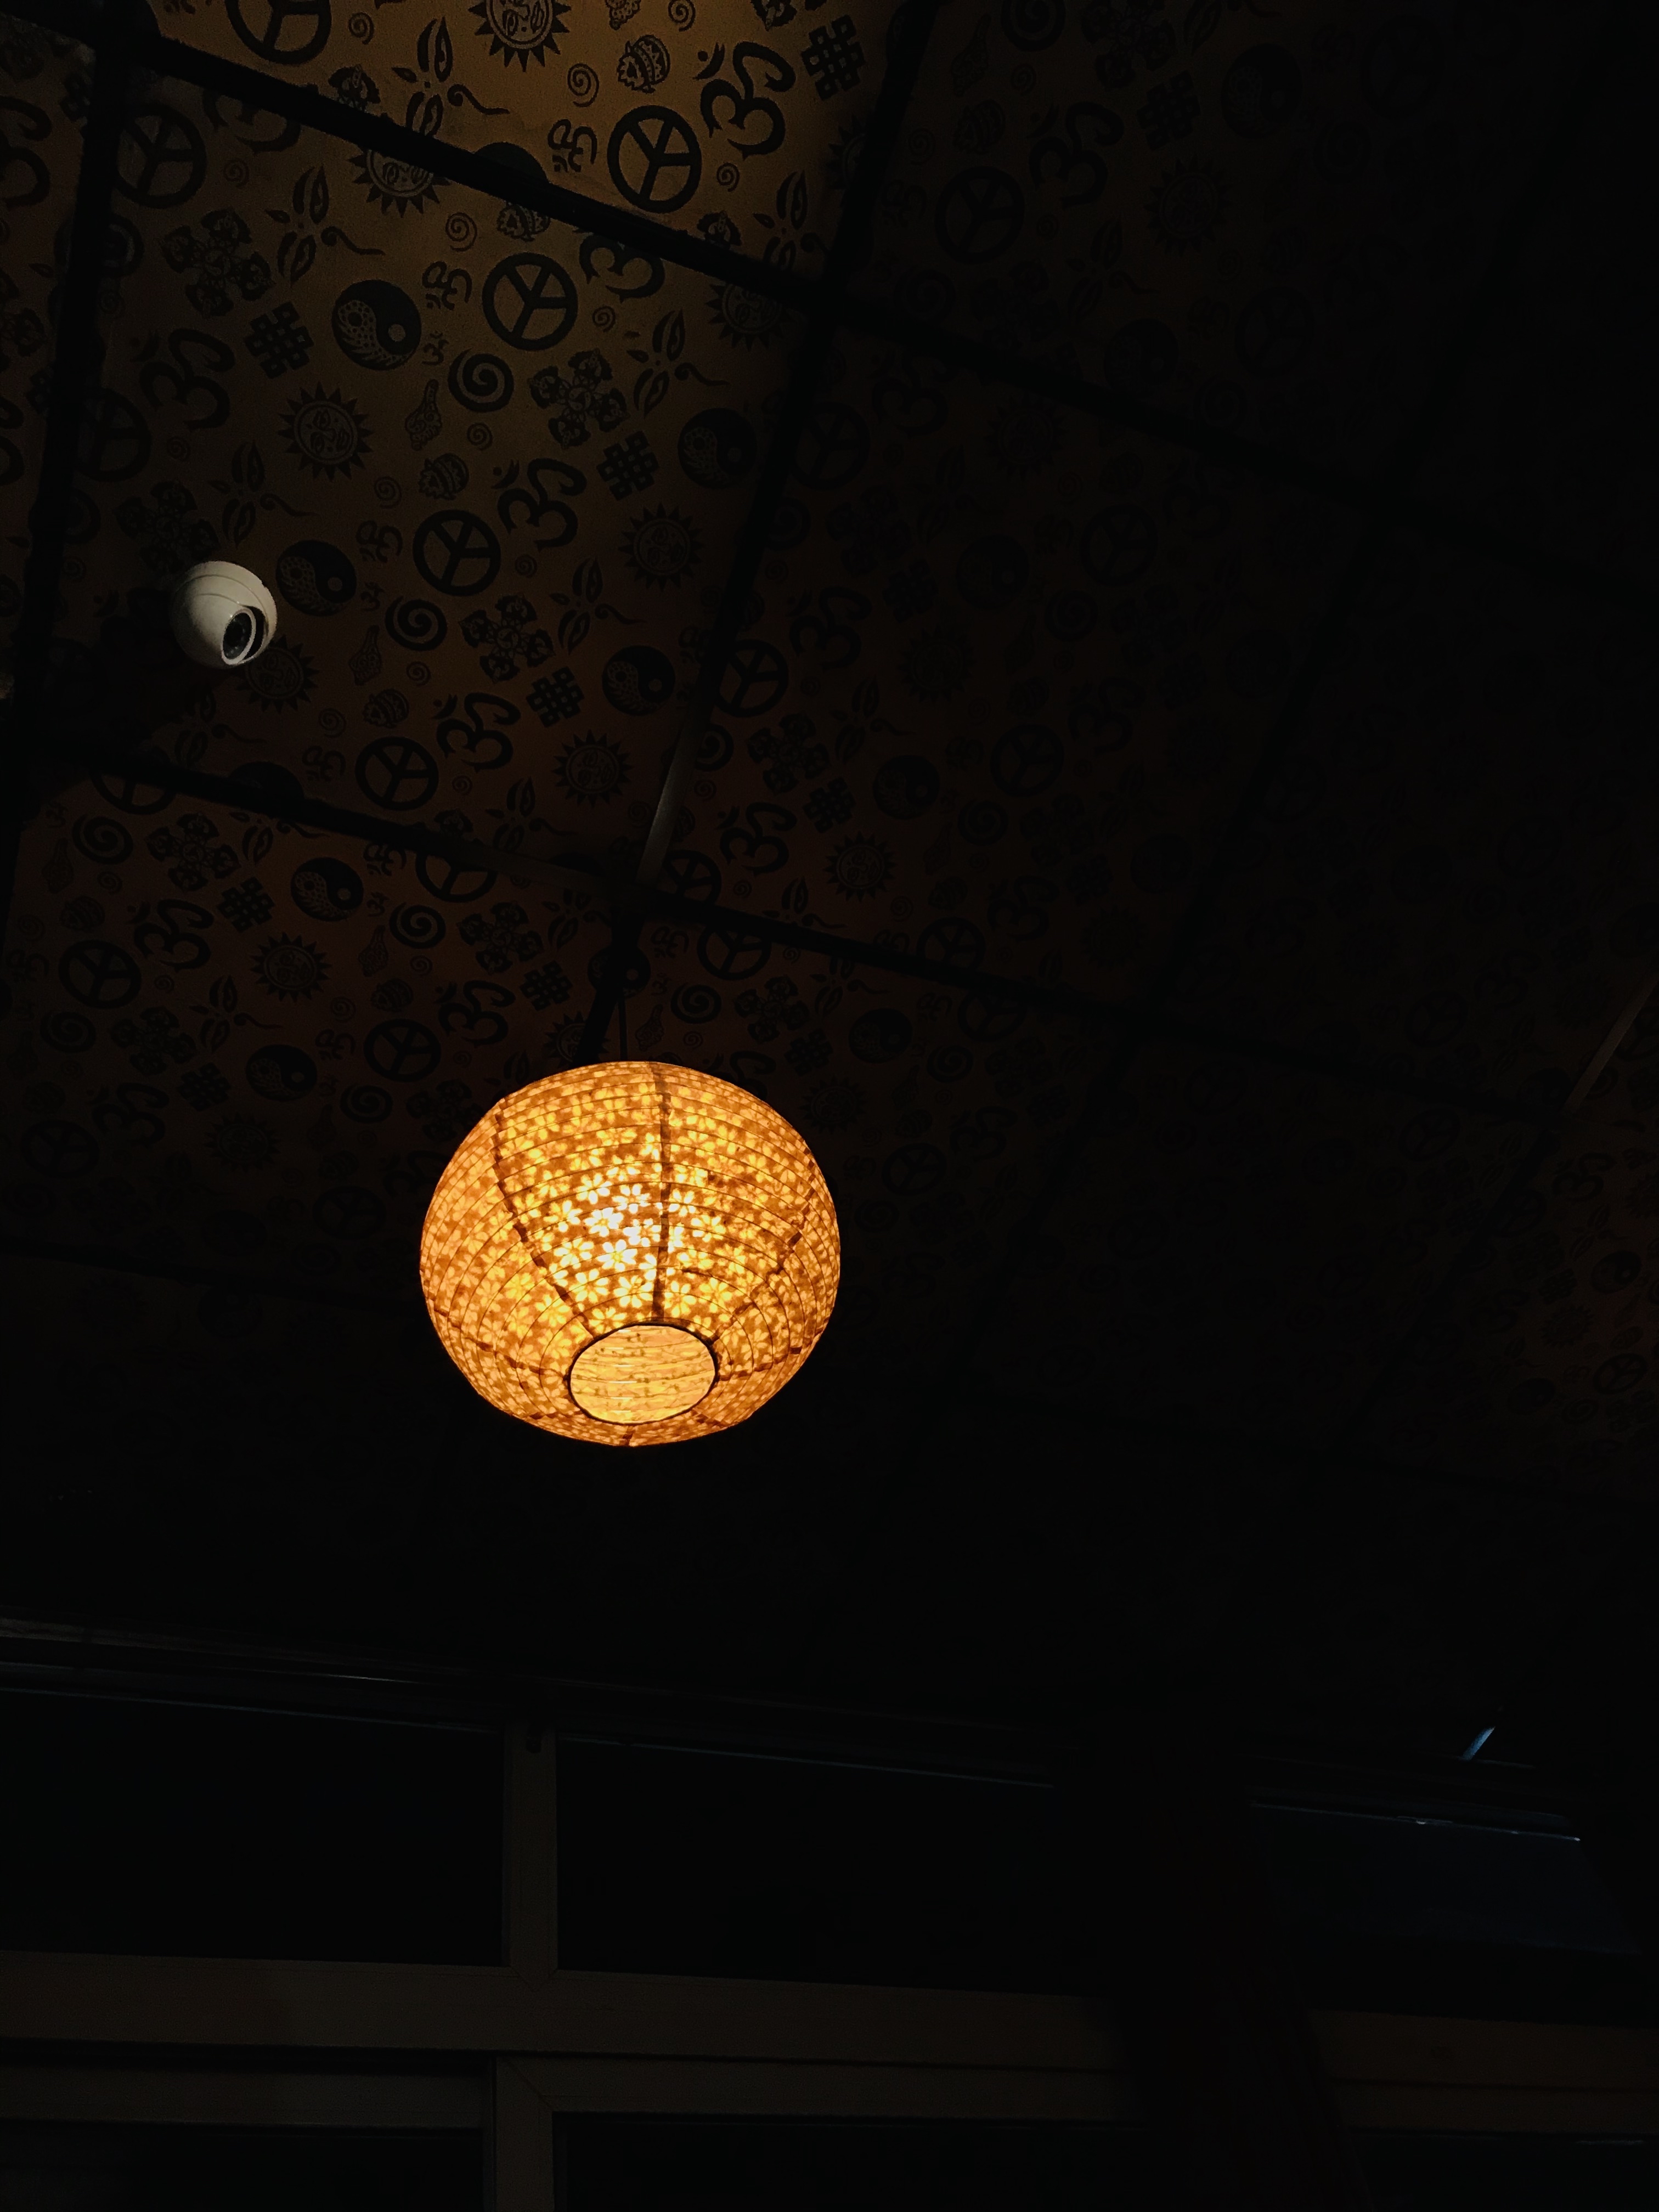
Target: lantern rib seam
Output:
{"points": [[772, 1274], [537, 1260], [662, 1120]]}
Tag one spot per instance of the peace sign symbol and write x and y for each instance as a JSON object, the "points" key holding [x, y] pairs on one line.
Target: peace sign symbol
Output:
{"points": [[691, 875], [272, 42], [1622, 1372], [913, 1168], [99, 975], [402, 1050], [980, 214], [160, 160], [397, 773], [59, 1148], [451, 882], [349, 1210], [833, 446], [114, 437], [953, 943], [458, 553], [1026, 759], [756, 677], [123, 792], [1118, 544], [656, 162], [732, 954], [529, 301]]}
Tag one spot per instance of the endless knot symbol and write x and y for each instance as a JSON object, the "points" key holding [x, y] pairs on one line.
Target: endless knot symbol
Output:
{"points": [[280, 340], [629, 466], [1169, 111], [833, 57]]}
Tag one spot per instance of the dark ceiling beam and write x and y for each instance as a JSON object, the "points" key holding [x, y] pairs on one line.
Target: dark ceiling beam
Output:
{"points": [[282, 802], [639, 903], [122, 1259], [74, 365], [500, 180], [1046, 379]]}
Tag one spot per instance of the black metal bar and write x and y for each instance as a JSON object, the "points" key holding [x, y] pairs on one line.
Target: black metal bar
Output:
{"points": [[244, 794], [74, 365], [378, 134], [124, 1262], [639, 903], [906, 45]]}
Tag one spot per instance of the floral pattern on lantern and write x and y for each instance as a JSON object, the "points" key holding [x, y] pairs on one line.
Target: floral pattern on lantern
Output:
{"points": [[630, 1254]]}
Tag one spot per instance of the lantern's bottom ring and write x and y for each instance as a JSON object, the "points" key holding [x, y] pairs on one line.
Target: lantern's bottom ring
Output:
{"points": [[648, 1371]]}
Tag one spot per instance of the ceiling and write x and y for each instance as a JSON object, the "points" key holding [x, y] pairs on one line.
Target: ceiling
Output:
{"points": [[1065, 593]]}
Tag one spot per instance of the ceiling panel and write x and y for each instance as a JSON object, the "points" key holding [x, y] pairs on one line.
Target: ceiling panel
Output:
{"points": [[1005, 675], [495, 537], [742, 123], [1452, 876], [255, 1048], [1264, 224]]}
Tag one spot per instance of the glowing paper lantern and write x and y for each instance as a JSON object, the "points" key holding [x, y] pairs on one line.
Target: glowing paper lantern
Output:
{"points": [[631, 1254]]}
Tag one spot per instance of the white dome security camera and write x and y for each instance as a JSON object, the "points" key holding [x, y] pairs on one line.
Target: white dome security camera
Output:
{"points": [[222, 615]]}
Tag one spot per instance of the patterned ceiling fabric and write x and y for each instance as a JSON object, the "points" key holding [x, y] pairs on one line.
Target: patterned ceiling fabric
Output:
{"points": [[256, 1046], [1012, 670], [1387, 910], [737, 120], [497, 518], [41, 110], [1262, 222]]}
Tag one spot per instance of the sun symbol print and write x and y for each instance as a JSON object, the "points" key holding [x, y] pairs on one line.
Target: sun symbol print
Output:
{"points": [[327, 434], [859, 867], [661, 549], [288, 967], [517, 29], [745, 319], [393, 184], [592, 770]]}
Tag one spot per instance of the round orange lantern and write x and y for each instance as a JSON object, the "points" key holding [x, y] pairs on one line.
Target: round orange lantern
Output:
{"points": [[631, 1254]]}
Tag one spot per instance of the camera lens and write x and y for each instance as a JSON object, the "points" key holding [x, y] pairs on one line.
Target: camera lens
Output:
{"points": [[238, 635]]}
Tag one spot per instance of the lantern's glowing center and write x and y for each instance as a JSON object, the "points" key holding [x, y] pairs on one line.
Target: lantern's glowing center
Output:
{"points": [[648, 1371]]}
